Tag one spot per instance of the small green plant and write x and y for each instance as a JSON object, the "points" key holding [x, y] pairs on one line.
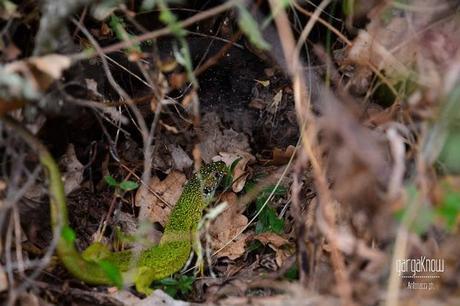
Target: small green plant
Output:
{"points": [[176, 286], [228, 179], [449, 210], [446, 212], [182, 55], [250, 28], [348, 7], [292, 274], [124, 185], [268, 220], [118, 27]]}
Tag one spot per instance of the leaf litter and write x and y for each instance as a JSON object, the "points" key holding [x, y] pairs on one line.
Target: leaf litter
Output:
{"points": [[373, 129]]}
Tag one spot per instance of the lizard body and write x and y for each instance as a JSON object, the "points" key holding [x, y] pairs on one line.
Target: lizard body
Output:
{"points": [[141, 269]]}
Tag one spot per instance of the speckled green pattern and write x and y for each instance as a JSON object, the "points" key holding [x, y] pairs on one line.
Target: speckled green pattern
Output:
{"points": [[175, 245], [152, 264]]}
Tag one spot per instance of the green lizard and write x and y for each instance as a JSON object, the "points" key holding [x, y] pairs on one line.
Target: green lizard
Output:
{"points": [[141, 269]]}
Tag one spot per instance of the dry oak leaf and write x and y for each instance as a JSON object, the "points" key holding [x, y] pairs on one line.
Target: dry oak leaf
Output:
{"points": [[41, 71], [214, 140], [228, 224], [282, 247], [158, 206], [282, 157], [271, 239], [51, 64]]}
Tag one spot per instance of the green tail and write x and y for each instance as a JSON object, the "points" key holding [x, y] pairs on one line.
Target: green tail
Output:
{"points": [[127, 267]]}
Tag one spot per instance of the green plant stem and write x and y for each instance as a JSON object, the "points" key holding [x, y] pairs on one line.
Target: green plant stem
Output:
{"points": [[68, 254]]}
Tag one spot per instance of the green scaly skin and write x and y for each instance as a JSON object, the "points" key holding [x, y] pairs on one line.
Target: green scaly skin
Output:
{"points": [[175, 245], [152, 264]]}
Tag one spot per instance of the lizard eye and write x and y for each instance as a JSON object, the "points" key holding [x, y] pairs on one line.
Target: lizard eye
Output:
{"points": [[218, 175], [207, 191]]}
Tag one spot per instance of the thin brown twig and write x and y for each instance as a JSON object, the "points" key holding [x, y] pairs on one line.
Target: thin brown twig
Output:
{"points": [[302, 104], [213, 60], [147, 134], [157, 33], [146, 185], [323, 22], [303, 256], [15, 127]]}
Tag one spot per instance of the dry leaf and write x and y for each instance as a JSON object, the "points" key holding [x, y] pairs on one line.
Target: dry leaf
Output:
{"points": [[226, 226], [158, 207], [91, 84], [73, 173], [271, 239], [52, 64], [44, 70], [389, 43], [11, 52], [179, 158], [367, 49], [282, 255], [215, 140], [3, 280], [282, 157], [105, 30], [277, 99], [282, 247], [257, 103], [169, 128], [264, 83]]}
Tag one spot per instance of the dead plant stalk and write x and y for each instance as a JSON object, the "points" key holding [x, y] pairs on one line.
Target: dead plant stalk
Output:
{"points": [[302, 104]]}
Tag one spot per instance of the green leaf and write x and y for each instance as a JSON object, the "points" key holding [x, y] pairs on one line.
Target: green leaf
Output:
{"points": [[171, 291], [268, 219], [185, 284], [110, 181], [424, 216], [118, 27], [68, 234], [170, 20], [348, 7], [169, 281], [450, 209], [182, 55], [173, 286], [128, 185], [446, 130], [250, 184], [250, 28], [424, 219], [112, 273], [292, 273], [450, 155], [228, 179], [269, 222]]}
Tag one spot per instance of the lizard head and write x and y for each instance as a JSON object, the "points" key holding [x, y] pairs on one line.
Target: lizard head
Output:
{"points": [[211, 176]]}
